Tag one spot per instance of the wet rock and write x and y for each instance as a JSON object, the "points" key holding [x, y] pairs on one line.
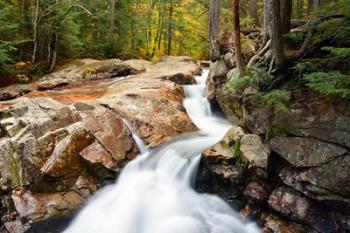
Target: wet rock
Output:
{"points": [[255, 151], [293, 205], [274, 224], [328, 183], [306, 152], [256, 193], [220, 170]]}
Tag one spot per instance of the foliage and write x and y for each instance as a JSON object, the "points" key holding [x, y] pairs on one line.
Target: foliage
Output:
{"points": [[334, 7], [5, 49], [341, 53], [276, 98], [253, 76], [329, 83]]}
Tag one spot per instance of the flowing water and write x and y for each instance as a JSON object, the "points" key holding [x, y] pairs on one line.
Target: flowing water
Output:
{"points": [[154, 192]]}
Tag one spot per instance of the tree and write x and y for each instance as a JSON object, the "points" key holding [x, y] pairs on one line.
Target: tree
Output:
{"points": [[286, 14], [277, 40], [253, 11], [237, 36], [267, 19], [214, 18]]}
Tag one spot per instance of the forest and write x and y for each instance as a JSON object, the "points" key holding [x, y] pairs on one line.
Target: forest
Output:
{"points": [[174, 116]]}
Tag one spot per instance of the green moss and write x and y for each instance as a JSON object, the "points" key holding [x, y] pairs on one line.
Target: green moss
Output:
{"points": [[14, 167], [236, 148]]}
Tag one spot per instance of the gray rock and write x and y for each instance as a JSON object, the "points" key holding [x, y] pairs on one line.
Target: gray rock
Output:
{"points": [[306, 152], [216, 77], [255, 151]]}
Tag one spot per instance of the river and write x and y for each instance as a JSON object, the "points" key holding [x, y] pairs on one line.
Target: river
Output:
{"points": [[154, 193]]}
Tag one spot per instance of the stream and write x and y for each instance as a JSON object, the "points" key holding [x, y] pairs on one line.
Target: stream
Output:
{"points": [[154, 193]]}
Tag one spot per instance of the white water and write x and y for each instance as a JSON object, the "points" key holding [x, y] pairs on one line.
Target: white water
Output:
{"points": [[153, 194]]}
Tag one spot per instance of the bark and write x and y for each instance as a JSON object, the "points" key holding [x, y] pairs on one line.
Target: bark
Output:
{"points": [[237, 36], [277, 40], [53, 53], [158, 35], [267, 19], [253, 11], [317, 3], [309, 6], [214, 19], [35, 19], [286, 14]]}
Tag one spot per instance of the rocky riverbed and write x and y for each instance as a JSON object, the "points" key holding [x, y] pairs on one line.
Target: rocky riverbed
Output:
{"points": [[66, 136]]}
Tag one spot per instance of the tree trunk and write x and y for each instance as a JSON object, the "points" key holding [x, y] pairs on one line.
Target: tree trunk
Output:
{"points": [[170, 26], [253, 11], [237, 36], [309, 6], [286, 14], [53, 50], [317, 3], [158, 34], [214, 19], [277, 40], [35, 30], [267, 20]]}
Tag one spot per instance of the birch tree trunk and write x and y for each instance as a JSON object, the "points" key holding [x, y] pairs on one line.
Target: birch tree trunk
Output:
{"points": [[35, 18]]}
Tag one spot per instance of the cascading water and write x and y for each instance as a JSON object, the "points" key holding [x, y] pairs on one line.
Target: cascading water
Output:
{"points": [[153, 193]]}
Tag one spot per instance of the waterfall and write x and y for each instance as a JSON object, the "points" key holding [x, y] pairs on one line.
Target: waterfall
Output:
{"points": [[154, 192]]}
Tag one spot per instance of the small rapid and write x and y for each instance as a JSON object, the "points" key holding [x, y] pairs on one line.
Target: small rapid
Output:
{"points": [[154, 192]]}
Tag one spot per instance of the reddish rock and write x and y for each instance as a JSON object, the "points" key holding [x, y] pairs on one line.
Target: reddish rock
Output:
{"points": [[111, 132], [65, 160]]}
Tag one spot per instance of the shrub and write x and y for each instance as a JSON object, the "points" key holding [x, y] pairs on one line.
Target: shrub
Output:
{"points": [[329, 83]]}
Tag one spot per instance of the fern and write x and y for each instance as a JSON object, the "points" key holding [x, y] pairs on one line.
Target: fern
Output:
{"points": [[253, 76], [329, 83], [277, 99], [342, 53], [5, 49]]}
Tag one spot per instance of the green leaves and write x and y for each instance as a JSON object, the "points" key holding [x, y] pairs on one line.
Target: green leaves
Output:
{"points": [[5, 49]]}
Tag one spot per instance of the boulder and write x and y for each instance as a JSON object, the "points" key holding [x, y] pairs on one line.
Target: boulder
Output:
{"points": [[216, 78], [306, 152], [65, 160], [221, 170], [111, 132], [82, 70], [293, 205], [328, 183], [255, 151]]}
